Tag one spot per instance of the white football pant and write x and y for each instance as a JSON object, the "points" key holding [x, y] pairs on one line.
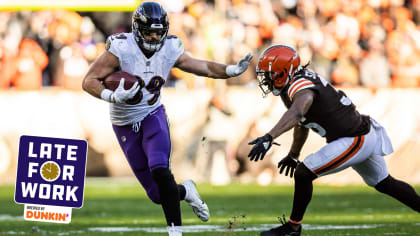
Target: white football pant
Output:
{"points": [[365, 154]]}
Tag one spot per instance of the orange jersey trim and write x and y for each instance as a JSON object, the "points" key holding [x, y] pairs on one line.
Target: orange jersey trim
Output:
{"points": [[346, 155], [299, 84]]}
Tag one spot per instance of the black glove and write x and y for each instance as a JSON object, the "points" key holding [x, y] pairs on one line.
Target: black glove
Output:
{"points": [[288, 162], [262, 145]]}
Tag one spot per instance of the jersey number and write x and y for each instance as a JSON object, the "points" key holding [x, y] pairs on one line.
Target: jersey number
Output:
{"points": [[316, 128], [344, 99], [153, 87]]}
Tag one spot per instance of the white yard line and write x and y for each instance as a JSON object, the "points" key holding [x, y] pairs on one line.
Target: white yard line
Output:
{"points": [[203, 228], [9, 217], [223, 228]]}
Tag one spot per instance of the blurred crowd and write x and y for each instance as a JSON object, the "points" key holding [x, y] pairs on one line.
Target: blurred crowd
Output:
{"points": [[369, 43]]}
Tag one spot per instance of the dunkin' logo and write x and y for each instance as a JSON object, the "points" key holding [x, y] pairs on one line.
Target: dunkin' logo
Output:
{"points": [[53, 216], [44, 213]]}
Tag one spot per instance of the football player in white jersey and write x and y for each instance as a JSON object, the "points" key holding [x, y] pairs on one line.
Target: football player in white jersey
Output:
{"points": [[149, 53], [353, 140]]}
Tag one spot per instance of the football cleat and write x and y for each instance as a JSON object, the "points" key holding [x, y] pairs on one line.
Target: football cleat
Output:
{"points": [[193, 199], [283, 230]]}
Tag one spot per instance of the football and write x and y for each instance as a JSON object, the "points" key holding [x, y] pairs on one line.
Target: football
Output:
{"points": [[113, 80]]}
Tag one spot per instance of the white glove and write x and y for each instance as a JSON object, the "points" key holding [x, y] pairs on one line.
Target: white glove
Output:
{"points": [[240, 67], [120, 95]]}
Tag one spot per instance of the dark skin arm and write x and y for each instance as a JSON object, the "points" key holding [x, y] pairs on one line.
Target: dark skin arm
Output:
{"points": [[290, 162], [201, 67], [300, 106], [300, 134], [103, 66], [301, 103]]}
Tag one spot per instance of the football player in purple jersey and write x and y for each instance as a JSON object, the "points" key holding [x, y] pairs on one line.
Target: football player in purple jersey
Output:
{"points": [[353, 140], [149, 53]]}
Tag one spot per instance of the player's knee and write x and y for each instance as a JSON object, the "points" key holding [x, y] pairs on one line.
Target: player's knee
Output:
{"points": [[154, 196], [164, 180], [302, 173], [161, 175]]}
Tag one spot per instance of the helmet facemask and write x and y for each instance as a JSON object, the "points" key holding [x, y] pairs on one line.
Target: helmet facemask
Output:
{"points": [[143, 31], [272, 81], [265, 82]]}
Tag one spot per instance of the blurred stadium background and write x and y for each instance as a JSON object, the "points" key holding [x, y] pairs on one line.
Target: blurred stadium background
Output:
{"points": [[368, 48]]}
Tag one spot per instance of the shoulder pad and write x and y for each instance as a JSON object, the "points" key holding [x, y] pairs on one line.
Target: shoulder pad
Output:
{"points": [[175, 41], [298, 84], [113, 38]]}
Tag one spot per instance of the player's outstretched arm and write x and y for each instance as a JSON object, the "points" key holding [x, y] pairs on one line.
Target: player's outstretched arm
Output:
{"points": [[212, 69], [104, 65], [300, 106], [302, 101]]}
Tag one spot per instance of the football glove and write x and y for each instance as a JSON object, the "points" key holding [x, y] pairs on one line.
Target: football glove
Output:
{"points": [[260, 148], [120, 95], [240, 67], [289, 163]]}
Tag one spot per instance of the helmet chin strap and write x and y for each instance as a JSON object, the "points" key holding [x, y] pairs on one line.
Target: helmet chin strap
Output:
{"points": [[276, 92], [289, 76], [152, 47]]}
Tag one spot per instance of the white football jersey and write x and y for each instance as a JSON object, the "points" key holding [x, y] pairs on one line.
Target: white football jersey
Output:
{"points": [[152, 73]]}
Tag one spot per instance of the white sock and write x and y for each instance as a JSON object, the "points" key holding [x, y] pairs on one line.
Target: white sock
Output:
{"points": [[174, 230]]}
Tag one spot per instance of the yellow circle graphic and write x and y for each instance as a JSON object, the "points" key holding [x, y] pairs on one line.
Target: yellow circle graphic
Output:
{"points": [[50, 171]]}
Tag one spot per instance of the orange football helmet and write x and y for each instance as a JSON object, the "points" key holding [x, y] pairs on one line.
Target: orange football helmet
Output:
{"points": [[276, 66]]}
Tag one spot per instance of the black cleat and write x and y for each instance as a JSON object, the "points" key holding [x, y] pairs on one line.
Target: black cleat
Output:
{"points": [[283, 230]]}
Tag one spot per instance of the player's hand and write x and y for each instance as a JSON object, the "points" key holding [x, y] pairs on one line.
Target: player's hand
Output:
{"points": [[289, 163], [240, 67], [260, 148], [121, 95]]}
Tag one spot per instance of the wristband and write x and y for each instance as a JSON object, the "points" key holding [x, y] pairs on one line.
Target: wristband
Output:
{"points": [[269, 136], [294, 155], [106, 95], [230, 70]]}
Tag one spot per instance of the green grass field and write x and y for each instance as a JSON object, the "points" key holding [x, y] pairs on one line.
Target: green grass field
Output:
{"points": [[122, 208]]}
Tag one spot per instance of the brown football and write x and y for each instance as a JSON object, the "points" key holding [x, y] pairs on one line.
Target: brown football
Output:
{"points": [[113, 80]]}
